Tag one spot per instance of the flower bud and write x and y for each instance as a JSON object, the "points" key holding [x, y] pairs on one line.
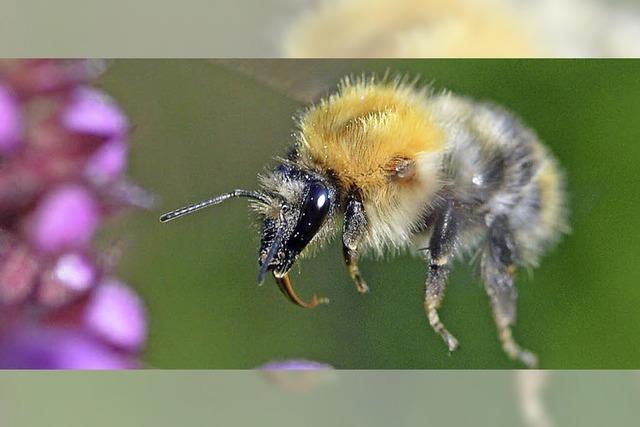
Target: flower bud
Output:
{"points": [[65, 219], [117, 315], [108, 162], [92, 112]]}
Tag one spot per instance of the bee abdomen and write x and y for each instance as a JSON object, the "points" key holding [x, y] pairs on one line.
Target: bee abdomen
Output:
{"points": [[532, 197], [499, 168], [547, 221]]}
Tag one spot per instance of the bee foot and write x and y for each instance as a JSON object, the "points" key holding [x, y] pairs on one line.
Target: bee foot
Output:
{"points": [[362, 288], [451, 341], [514, 351], [529, 359], [438, 326]]}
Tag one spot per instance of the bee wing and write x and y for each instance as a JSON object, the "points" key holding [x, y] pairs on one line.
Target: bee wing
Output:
{"points": [[304, 81]]}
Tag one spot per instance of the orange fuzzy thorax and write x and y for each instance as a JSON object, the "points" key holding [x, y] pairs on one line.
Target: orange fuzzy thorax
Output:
{"points": [[360, 131]]}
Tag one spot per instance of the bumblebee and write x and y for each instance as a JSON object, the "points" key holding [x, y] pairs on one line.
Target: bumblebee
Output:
{"points": [[393, 166]]}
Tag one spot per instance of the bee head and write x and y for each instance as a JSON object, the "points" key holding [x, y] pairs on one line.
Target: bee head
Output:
{"points": [[302, 205], [296, 207]]}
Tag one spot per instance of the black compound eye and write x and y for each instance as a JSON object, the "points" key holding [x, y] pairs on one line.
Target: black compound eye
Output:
{"points": [[313, 213]]}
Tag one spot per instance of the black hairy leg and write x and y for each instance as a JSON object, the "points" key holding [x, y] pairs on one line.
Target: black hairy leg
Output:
{"points": [[441, 250], [498, 269], [355, 225]]}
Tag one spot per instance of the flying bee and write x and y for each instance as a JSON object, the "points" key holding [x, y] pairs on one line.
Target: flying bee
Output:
{"points": [[389, 166]]}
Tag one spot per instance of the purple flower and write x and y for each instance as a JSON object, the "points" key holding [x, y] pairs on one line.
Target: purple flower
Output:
{"points": [[108, 162], [94, 113], [65, 219], [74, 271], [68, 278], [60, 178], [33, 348], [10, 121], [117, 315]]}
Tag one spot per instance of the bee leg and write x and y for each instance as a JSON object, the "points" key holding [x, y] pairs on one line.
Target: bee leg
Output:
{"points": [[355, 225], [497, 268], [441, 250], [351, 261]]}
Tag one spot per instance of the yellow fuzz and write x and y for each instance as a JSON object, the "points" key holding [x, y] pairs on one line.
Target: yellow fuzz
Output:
{"points": [[360, 132], [552, 201]]}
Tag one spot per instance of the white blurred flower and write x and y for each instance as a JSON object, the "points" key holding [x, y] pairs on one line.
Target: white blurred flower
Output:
{"points": [[464, 28]]}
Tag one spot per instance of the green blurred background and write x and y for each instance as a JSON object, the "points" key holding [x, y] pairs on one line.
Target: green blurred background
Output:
{"points": [[202, 129]]}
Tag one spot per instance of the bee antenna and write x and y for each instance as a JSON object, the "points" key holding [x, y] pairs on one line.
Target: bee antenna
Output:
{"points": [[213, 201]]}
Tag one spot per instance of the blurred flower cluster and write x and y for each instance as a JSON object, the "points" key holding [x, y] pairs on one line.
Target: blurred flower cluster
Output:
{"points": [[63, 153], [464, 28]]}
